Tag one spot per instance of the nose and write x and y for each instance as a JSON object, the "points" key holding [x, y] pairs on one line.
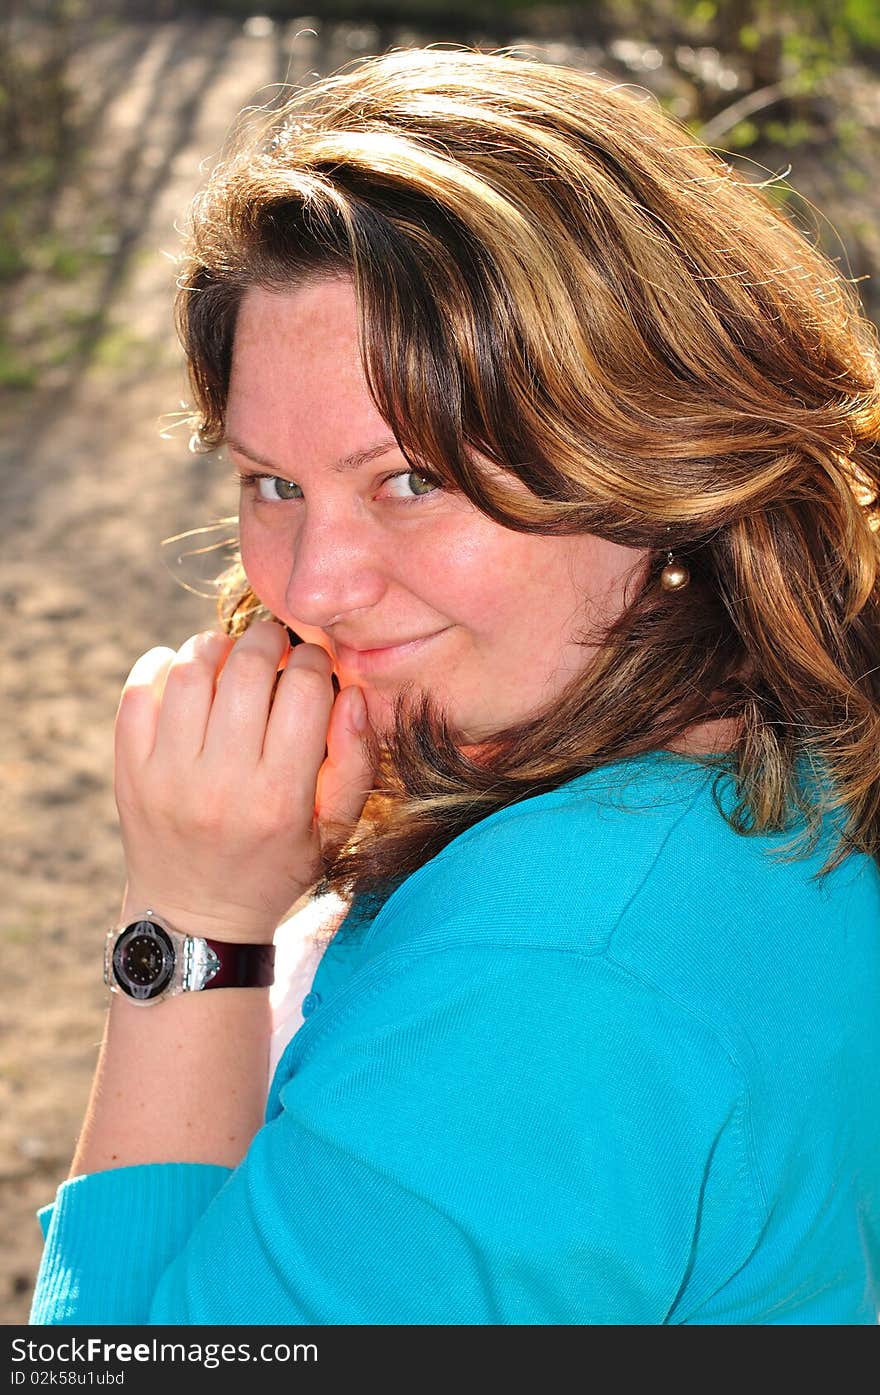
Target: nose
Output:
{"points": [[336, 567]]}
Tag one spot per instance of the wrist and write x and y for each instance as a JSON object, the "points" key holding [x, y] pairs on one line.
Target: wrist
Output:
{"points": [[149, 959], [225, 924]]}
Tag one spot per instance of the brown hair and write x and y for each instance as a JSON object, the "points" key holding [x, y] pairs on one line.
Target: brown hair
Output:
{"points": [[553, 273]]}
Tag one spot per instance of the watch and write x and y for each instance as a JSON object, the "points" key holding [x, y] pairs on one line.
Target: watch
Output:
{"points": [[149, 960]]}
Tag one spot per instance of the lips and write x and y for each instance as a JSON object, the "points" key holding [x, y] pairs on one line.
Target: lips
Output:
{"points": [[375, 644], [381, 656]]}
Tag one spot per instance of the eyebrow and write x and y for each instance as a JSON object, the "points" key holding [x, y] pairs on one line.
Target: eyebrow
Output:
{"points": [[345, 465]]}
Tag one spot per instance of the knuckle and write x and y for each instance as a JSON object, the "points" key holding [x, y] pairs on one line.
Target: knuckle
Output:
{"points": [[309, 683], [203, 645], [130, 713], [272, 629], [144, 670], [250, 663], [311, 656], [206, 818], [189, 672], [273, 806], [197, 659], [125, 790]]}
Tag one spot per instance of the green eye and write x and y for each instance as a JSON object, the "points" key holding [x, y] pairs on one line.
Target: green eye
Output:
{"points": [[285, 488], [419, 485], [430, 485], [272, 487]]}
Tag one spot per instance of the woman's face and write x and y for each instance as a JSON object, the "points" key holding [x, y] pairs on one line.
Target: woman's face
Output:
{"points": [[400, 582]]}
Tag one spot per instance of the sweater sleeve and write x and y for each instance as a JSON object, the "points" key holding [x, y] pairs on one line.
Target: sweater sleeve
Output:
{"points": [[110, 1235], [471, 1133]]}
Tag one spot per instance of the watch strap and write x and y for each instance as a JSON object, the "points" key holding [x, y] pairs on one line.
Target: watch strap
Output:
{"points": [[242, 966]]}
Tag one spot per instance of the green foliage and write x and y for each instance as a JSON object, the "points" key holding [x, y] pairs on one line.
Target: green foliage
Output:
{"points": [[838, 27], [789, 134], [855, 179], [15, 371], [12, 258], [849, 133], [120, 347], [65, 263], [743, 134], [861, 20]]}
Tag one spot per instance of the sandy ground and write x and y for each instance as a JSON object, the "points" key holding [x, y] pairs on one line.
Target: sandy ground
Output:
{"points": [[89, 488]]}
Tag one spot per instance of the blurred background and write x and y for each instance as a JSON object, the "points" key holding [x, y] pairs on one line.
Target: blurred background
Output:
{"points": [[110, 113]]}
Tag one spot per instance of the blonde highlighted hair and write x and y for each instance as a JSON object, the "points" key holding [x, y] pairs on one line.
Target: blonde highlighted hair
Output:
{"points": [[554, 275]]}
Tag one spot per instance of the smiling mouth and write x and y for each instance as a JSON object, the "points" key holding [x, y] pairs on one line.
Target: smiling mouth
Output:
{"points": [[372, 660]]}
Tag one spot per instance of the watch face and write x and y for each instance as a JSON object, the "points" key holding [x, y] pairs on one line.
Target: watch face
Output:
{"points": [[143, 960]]}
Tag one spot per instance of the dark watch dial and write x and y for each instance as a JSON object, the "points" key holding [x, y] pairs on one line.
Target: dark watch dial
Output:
{"points": [[143, 960]]}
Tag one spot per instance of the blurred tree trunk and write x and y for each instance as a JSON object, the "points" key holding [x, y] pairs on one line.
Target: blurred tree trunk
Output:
{"points": [[34, 52], [11, 106], [736, 17]]}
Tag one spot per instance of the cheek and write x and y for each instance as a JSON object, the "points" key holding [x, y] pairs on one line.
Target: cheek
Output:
{"points": [[469, 576], [513, 586], [262, 557]]}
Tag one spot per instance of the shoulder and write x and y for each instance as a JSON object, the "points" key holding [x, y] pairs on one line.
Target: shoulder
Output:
{"points": [[556, 870], [637, 861]]}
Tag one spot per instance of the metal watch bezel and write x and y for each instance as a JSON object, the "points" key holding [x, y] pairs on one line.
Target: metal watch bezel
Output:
{"points": [[190, 961]]}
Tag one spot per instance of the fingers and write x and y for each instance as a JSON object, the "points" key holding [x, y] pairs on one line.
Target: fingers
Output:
{"points": [[189, 694], [216, 779], [240, 709], [137, 715], [346, 776], [296, 735], [231, 703]]}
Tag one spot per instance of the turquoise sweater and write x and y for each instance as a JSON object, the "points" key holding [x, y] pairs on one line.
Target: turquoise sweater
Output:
{"points": [[602, 1060]]}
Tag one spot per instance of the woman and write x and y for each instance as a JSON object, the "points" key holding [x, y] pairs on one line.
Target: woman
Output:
{"points": [[557, 458]]}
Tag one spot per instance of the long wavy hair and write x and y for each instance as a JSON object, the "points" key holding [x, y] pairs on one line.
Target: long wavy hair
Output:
{"points": [[552, 272]]}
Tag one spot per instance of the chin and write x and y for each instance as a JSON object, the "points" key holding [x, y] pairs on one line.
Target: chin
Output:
{"points": [[379, 710], [380, 705]]}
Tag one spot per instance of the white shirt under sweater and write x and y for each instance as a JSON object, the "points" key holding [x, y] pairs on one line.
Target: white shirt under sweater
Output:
{"points": [[300, 942]]}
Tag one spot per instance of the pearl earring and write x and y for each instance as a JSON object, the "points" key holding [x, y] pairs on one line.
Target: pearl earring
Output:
{"points": [[675, 575]]}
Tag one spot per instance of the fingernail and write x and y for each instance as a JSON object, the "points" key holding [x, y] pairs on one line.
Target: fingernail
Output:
{"points": [[358, 710]]}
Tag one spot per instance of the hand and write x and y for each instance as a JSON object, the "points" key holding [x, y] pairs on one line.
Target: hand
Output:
{"points": [[225, 796]]}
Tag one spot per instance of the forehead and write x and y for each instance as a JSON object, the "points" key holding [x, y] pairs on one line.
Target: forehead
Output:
{"points": [[296, 368]]}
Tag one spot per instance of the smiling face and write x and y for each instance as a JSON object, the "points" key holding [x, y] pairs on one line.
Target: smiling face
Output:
{"points": [[372, 556]]}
